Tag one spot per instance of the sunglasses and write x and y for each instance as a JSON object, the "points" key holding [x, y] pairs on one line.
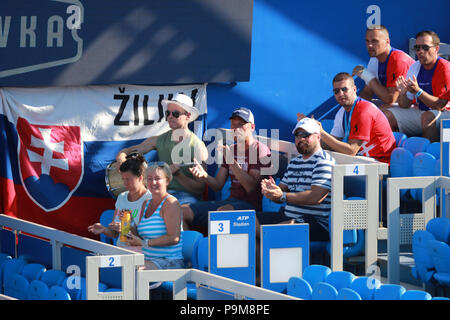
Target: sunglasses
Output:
{"points": [[175, 113], [425, 47], [336, 90], [302, 134]]}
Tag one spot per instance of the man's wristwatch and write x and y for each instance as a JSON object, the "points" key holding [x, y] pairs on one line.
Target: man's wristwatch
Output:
{"points": [[283, 197]]}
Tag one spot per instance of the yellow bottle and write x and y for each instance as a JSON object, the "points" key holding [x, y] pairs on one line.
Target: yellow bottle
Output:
{"points": [[125, 224]]}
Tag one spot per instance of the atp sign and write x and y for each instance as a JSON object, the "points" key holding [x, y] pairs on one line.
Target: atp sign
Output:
{"points": [[39, 34]]}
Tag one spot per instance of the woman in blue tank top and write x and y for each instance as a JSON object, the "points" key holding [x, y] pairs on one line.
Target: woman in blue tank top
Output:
{"points": [[159, 228]]}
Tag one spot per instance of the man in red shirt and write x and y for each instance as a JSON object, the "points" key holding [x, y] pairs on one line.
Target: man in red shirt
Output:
{"points": [[427, 82], [385, 66], [360, 128]]}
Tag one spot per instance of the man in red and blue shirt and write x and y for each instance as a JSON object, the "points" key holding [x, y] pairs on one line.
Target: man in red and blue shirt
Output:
{"points": [[423, 91], [385, 66], [360, 128]]}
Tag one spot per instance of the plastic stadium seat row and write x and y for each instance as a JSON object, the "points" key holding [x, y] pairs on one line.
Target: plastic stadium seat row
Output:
{"points": [[22, 280], [431, 253], [320, 283]]}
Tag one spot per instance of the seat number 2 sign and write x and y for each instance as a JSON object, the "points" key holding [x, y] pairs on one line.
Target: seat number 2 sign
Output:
{"points": [[110, 261]]}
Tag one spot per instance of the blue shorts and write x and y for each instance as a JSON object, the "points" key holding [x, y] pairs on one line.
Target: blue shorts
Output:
{"points": [[183, 197], [201, 209]]}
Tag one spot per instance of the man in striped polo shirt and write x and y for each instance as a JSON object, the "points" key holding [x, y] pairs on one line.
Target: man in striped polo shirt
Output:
{"points": [[306, 185]]}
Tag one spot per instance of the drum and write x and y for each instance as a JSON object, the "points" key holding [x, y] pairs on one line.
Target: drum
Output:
{"points": [[113, 180]]}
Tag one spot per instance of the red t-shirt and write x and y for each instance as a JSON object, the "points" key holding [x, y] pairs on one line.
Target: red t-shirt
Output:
{"points": [[250, 160], [396, 65], [370, 125]]}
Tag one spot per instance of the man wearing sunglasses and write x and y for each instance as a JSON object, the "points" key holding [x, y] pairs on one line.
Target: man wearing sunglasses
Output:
{"points": [[360, 128], [305, 187], [242, 163], [422, 102], [177, 143], [385, 66]]}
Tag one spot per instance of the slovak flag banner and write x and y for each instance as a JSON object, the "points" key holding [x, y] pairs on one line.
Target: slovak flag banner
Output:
{"points": [[57, 142]]}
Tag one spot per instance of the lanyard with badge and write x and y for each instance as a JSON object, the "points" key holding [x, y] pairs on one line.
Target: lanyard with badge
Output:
{"points": [[347, 122]]}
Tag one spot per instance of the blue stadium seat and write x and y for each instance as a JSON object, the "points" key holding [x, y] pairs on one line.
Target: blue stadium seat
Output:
{"points": [[76, 287], [400, 138], [315, 273], [389, 292], [416, 144], [348, 294], [105, 219], [58, 293], [33, 271], [37, 290], [18, 287], [300, 288], [440, 298], [437, 168], [365, 287], [423, 166], [416, 295], [190, 245], [401, 165], [202, 254], [11, 267], [440, 229], [53, 277], [324, 291], [440, 253], [3, 258], [424, 265], [340, 279], [434, 148]]}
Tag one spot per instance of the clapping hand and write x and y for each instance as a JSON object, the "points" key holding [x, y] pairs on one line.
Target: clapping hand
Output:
{"points": [[198, 171], [270, 190]]}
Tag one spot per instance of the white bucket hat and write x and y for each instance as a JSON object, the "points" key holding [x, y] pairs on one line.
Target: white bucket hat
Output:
{"points": [[184, 102]]}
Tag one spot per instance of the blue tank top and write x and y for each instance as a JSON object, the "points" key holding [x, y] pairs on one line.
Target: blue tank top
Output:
{"points": [[155, 227]]}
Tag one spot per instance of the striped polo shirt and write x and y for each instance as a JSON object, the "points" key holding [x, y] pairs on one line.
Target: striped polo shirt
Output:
{"points": [[301, 174], [155, 227]]}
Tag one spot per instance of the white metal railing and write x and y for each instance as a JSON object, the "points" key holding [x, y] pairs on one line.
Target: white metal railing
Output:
{"points": [[401, 227], [58, 239], [203, 280]]}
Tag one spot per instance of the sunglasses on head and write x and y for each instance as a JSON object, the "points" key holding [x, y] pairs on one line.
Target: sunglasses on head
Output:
{"points": [[336, 90], [175, 113], [302, 134], [425, 47], [160, 164]]}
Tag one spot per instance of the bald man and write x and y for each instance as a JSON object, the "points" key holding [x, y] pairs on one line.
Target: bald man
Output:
{"points": [[385, 66]]}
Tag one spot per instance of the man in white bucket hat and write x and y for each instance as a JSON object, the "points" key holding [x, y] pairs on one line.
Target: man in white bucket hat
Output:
{"points": [[179, 112]]}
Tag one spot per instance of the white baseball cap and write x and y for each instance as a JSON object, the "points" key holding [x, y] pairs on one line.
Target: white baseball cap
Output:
{"points": [[307, 124]]}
